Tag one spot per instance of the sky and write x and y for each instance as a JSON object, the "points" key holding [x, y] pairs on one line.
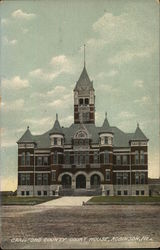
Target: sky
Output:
{"points": [[42, 58]]}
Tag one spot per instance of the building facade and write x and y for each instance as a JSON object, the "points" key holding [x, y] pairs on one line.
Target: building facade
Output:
{"points": [[83, 158]]}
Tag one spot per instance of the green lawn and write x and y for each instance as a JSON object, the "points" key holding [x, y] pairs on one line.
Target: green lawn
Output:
{"points": [[125, 199], [14, 200]]}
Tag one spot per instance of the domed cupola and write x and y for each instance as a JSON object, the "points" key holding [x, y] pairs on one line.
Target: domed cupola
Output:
{"points": [[56, 134], [106, 134]]}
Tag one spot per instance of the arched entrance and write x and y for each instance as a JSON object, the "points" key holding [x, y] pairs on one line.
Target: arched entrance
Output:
{"points": [[81, 181], [95, 181], [66, 181]]}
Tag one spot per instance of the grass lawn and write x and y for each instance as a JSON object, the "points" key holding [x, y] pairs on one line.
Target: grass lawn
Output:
{"points": [[14, 200], [136, 199]]}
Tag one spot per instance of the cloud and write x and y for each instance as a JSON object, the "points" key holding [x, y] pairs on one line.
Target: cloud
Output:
{"points": [[66, 120], [126, 114], [94, 43], [62, 63], [13, 106], [63, 101], [143, 100], [126, 56], [38, 121], [19, 14], [6, 41], [139, 83], [8, 183], [43, 75], [110, 73], [57, 90], [107, 88], [4, 21], [15, 83]]}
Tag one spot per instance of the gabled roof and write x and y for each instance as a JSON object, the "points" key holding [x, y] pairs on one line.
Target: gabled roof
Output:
{"points": [[26, 137], [139, 135], [56, 127], [106, 127], [84, 83]]}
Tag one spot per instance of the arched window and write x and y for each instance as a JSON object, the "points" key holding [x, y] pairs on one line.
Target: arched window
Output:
{"points": [[23, 159], [27, 158], [95, 181]]}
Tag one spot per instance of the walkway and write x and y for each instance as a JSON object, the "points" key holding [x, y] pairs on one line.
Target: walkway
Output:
{"points": [[73, 201]]}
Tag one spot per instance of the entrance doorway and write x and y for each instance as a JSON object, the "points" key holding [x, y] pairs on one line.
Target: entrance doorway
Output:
{"points": [[66, 181], [81, 181]]}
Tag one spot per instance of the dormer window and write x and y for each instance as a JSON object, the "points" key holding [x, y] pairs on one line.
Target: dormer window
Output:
{"points": [[86, 101]]}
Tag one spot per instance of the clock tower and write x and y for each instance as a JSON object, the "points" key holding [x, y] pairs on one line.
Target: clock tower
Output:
{"points": [[84, 98]]}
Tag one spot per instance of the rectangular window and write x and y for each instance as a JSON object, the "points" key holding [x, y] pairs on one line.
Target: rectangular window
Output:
{"points": [[45, 160], [39, 179], [22, 193], [118, 192], [142, 192], [125, 178], [27, 158], [39, 193], [27, 179], [108, 175], [23, 159], [119, 178], [67, 157], [53, 176], [39, 160], [75, 157], [142, 178], [106, 140], [23, 179], [106, 157], [136, 157], [137, 192], [55, 158], [45, 193], [136, 178], [141, 157], [27, 193], [118, 160], [87, 157], [125, 192], [45, 179], [124, 157], [55, 141], [95, 156]]}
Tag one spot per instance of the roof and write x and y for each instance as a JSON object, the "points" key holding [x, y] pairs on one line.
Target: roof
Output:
{"points": [[106, 127], [84, 83], [26, 137], [139, 135], [56, 127]]}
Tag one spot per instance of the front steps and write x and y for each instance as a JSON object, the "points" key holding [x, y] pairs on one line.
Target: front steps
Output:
{"points": [[80, 192]]}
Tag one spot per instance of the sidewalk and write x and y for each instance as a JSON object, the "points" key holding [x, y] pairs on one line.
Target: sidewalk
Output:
{"points": [[66, 201]]}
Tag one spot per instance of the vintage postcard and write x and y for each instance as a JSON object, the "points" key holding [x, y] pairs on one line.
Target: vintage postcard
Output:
{"points": [[80, 124]]}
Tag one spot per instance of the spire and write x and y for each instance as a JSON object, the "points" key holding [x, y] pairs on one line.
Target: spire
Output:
{"points": [[84, 55], [139, 135], [106, 127], [27, 136], [56, 127]]}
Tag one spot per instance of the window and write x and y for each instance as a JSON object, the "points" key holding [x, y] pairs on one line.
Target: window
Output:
{"points": [[137, 178], [67, 157], [141, 157], [22, 193], [44, 192], [39, 179], [86, 101], [136, 157], [55, 158], [125, 178], [54, 141], [25, 179], [53, 175], [45, 179], [119, 178], [118, 192], [53, 192], [45, 160], [142, 178], [76, 157], [23, 159], [27, 193], [142, 192], [125, 192], [118, 160], [108, 175], [137, 192], [95, 157], [39, 193], [106, 140], [39, 160], [80, 101], [124, 157], [106, 157], [27, 158], [87, 157]]}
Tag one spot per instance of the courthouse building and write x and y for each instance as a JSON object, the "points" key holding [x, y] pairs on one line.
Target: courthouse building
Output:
{"points": [[83, 159]]}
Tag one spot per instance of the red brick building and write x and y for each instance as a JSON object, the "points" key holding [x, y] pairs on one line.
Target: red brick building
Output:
{"points": [[83, 158]]}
